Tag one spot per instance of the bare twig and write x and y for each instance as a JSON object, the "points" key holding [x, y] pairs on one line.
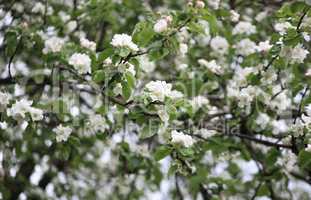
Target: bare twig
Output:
{"points": [[300, 104], [306, 9], [13, 55]]}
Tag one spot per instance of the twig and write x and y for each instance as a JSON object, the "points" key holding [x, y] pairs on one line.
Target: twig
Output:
{"points": [[250, 138], [179, 193], [260, 141], [13, 55], [256, 191], [300, 104], [271, 62], [163, 41], [306, 9]]}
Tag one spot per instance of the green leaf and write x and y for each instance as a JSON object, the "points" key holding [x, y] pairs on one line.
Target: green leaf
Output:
{"points": [[304, 159], [11, 42], [196, 28], [123, 52], [130, 79], [143, 33], [74, 141], [173, 168], [186, 152], [212, 20], [99, 76], [104, 55], [162, 152], [59, 106], [158, 54], [126, 90], [149, 129]]}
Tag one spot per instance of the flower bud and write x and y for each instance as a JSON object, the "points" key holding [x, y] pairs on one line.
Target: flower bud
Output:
{"points": [[199, 4], [160, 26], [169, 19]]}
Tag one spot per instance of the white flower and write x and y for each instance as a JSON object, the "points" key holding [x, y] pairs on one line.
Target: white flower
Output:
{"points": [[244, 28], [281, 102], [279, 126], [246, 96], [146, 65], [97, 123], [3, 125], [203, 62], [262, 120], [182, 66], [4, 100], [19, 109], [159, 90], [107, 61], [182, 139], [117, 90], [240, 76], [212, 66], [234, 16], [306, 36], [282, 27], [124, 40], [264, 46], [308, 148], [131, 69], [71, 26], [183, 48], [160, 26], [38, 8], [81, 62], [169, 19], [163, 115], [308, 110], [306, 120], [261, 16], [245, 47], [214, 4], [62, 133], [36, 114], [219, 45], [205, 133], [298, 54], [174, 94], [88, 44], [198, 102], [308, 73], [63, 16], [53, 45]]}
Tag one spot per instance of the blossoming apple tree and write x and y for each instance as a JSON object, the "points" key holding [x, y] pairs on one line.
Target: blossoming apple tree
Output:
{"points": [[162, 99]]}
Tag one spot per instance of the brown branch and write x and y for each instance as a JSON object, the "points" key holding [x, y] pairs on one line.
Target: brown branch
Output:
{"points": [[178, 29], [306, 9], [250, 138], [260, 141], [179, 193], [300, 104], [13, 55]]}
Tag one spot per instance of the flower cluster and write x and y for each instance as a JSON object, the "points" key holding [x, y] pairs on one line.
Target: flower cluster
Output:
{"points": [[162, 24], [158, 90], [53, 45], [182, 139], [81, 62], [124, 40], [20, 108], [62, 133]]}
